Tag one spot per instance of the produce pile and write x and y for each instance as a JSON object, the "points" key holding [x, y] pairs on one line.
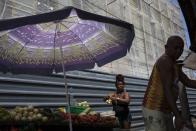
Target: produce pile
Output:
{"points": [[90, 120], [28, 114], [194, 122], [4, 114], [81, 114]]}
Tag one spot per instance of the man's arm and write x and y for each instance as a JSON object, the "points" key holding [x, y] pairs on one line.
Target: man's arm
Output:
{"points": [[185, 80], [165, 67]]}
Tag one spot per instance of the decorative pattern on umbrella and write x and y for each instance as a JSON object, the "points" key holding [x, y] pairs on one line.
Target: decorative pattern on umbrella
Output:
{"points": [[85, 39]]}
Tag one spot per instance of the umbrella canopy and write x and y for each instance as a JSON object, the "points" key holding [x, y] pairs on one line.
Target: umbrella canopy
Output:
{"points": [[39, 44]]}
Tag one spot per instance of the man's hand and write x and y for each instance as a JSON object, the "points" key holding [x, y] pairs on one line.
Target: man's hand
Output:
{"points": [[179, 123]]}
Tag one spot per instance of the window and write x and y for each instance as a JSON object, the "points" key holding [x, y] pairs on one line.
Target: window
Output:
{"points": [[158, 32], [8, 10], [77, 3], [139, 34], [45, 5], [155, 4], [166, 24], [16, 9], [85, 5], [147, 25], [163, 8], [134, 3], [146, 8], [2, 4], [156, 15], [153, 29], [137, 20]]}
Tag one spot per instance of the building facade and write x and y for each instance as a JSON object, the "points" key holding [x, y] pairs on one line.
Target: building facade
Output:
{"points": [[154, 22]]}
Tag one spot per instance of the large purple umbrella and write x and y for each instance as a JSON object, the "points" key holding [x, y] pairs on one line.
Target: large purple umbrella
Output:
{"points": [[33, 44], [60, 41]]}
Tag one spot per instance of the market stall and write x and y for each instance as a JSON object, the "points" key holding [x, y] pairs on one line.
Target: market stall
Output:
{"points": [[60, 41], [50, 119]]}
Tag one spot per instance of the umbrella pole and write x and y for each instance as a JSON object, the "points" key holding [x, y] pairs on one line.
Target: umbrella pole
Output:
{"points": [[67, 92]]}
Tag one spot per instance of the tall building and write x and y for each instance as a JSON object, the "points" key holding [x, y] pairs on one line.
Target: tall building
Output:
{"points": [[154, 22]]}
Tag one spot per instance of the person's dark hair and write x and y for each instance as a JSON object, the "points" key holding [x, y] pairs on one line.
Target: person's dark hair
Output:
{"points": [[119, 78], [174, 39]]}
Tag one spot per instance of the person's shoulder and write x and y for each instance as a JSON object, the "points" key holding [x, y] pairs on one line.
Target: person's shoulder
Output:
{"points": [[164, 62], [164, 58]]}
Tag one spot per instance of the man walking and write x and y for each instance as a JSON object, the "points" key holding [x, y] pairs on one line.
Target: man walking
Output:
{"points": [[159, 103]]}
